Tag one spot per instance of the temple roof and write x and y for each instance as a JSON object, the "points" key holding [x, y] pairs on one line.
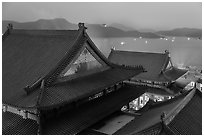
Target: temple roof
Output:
{"points": [[13, 124], [148, 118], [28, 55], [189, 118], [77, 119], [33, 59], [73, 90], [154, 63], [88, 114], [183, 116]]}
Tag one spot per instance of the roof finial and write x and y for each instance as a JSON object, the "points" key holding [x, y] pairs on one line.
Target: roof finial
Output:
{"points": [[112, 48], [167, 51], [162, 116], [10, 26], [81, 26]]}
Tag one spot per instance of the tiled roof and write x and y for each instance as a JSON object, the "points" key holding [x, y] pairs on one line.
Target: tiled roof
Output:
{"points": [[75, 120], [158, 91], [83, 87], [91, 132], [153, 63], [13, 124], [189, 120], [174, 73], [82, 117], [184, 113], [149, 120], [30, 55]]}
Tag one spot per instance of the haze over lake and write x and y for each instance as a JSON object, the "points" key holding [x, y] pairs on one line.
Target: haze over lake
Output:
{"points": [[183, 51], [117, 18]]}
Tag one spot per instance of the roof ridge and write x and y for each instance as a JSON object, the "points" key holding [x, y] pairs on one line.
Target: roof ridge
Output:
{"points": [[61, 65], [96, 50], [166, 61], [170, 116], [53, 73]]}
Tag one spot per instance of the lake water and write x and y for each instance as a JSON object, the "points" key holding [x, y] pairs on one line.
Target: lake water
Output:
{"points": [[183, 51]]}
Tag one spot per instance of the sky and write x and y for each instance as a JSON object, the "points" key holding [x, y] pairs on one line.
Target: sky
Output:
{"points": [[137, 15]]}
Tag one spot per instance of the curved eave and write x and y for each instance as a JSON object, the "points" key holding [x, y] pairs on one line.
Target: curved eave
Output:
{"points": [[173, 73]]}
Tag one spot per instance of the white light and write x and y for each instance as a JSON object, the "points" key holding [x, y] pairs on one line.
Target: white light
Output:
{"points": [[161, 38], [188, 38], [122, 43], [166, 39], [135, 39], [140, 37], [146, 41], [104, 25], [172, 40]]}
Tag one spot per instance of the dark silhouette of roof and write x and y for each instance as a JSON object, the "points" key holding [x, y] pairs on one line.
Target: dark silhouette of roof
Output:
{"points": [[33, 59], [174, 73], [82, 87], [189, 120], [28, 55], [13, 124], [148, 119], [77, 119], [183, 116], [154, 63]]}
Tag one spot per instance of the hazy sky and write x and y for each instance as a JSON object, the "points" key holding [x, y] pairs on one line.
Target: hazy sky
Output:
{"points": [[152, 15]]}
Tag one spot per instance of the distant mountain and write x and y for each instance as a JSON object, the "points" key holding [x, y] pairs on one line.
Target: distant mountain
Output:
{"points": [[98, 30], [146, 30], [182, 32], [58, 23], [122, 27], [94, 30]]}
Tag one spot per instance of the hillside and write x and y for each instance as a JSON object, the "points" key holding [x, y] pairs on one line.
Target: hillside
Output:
{"points": [[182, 32], [100, 30], [94, 30]]}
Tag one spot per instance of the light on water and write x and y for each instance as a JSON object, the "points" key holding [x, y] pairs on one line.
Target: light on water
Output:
{"points": [[180, 48], [122, 43], [105, 25]]}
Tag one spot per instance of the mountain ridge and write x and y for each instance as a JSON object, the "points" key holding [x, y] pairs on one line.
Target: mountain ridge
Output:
{"points": [[101, 30], [95, 30], [182, 32]]}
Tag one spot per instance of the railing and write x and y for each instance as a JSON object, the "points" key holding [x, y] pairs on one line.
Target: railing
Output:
{"points": [[24, 113], [150, 85]]}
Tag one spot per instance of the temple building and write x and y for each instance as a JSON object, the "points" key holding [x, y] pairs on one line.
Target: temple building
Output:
{"points": [[50, 73], [159, 67], [160, 76], [57, 82]]}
